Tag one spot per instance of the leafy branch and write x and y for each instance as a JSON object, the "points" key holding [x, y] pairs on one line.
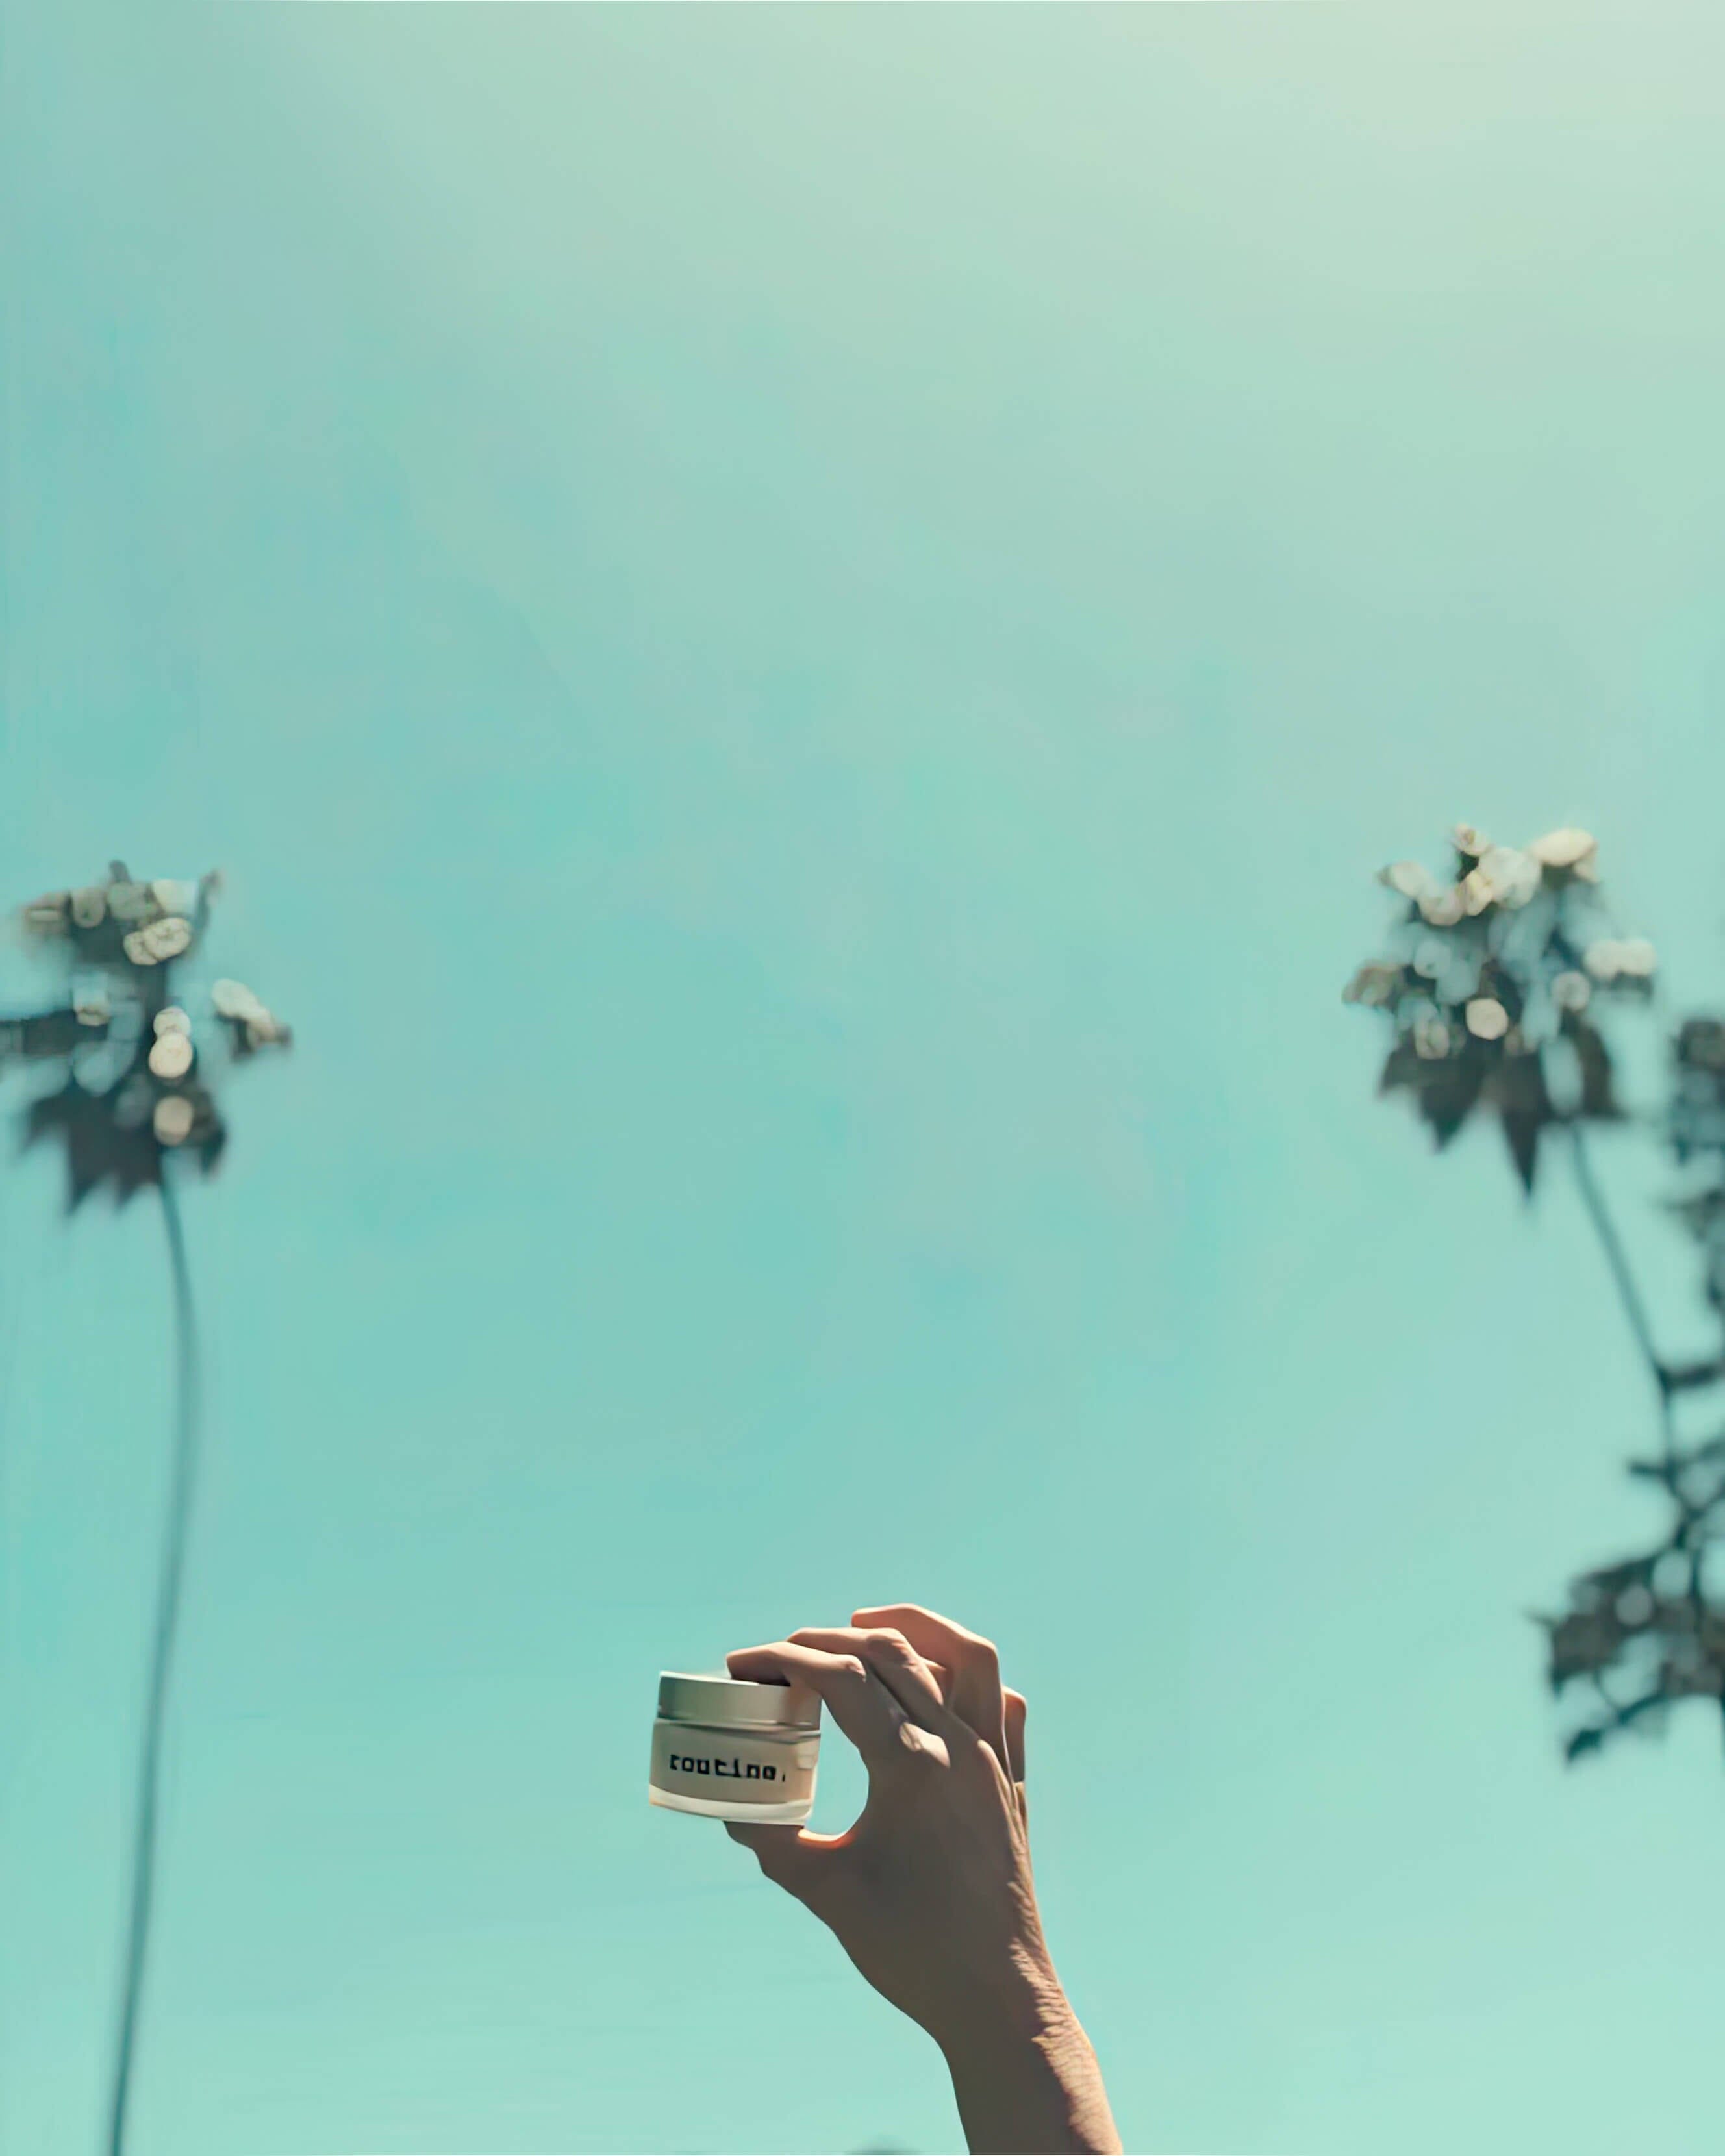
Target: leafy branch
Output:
{"points": [[1499, 989]]}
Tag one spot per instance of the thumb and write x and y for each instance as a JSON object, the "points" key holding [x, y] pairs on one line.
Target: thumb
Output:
{"points": [[788, 1857]]}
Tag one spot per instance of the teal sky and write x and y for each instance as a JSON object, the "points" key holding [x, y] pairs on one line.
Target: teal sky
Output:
{"points": [[800, 630]]}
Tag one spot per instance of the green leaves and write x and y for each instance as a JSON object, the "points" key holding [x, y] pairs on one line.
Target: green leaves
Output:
{"points": [[134, 1087], [1487, 982], [1524, 1109], [1495, 990], [47, 1033], [1643, 1634]]}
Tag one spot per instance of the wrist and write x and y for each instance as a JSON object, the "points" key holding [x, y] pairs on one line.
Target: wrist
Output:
{"points": [[1017, 2001], [1024, 2074]]}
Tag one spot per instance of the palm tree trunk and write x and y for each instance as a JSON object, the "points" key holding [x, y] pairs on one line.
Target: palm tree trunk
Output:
{"points": [[167, 1616]]}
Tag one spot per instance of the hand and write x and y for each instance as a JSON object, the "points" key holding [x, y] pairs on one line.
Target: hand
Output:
{"points": [[930, 1892]]}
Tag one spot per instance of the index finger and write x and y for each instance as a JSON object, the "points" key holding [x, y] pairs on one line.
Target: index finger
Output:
{"points": [[914, 1683], [861, 1705], [976, 1696]]}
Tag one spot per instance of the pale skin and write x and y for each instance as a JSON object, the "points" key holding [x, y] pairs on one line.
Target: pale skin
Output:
{"points": [[930, 1892]]}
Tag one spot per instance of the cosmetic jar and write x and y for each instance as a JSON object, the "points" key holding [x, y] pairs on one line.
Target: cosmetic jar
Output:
{"points": [[733, 1750]]}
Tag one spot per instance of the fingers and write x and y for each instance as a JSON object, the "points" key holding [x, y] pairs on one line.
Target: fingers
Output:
{"points": [[894, 1660], [974, 1692], [1014, 1703], [1015, 1749], [863, 1707]]}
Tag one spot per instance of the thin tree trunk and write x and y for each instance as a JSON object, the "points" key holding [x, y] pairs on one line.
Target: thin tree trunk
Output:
{"points": [[167, 1617]]}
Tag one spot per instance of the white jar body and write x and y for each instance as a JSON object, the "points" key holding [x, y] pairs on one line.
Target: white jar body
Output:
{"points": [[766, 1775]]}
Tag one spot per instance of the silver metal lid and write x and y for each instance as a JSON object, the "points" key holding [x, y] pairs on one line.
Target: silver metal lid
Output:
{"points": [[735, 1703]]}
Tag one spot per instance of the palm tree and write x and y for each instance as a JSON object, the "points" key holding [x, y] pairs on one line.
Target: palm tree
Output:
{"points": [[133, 1095]]}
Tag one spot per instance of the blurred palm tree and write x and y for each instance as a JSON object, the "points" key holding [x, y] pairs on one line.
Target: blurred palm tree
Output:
{"points": [[133, 1095], [1501, 981]]}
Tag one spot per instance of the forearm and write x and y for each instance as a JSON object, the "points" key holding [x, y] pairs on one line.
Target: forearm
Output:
{"points": [[1025, 2078]]}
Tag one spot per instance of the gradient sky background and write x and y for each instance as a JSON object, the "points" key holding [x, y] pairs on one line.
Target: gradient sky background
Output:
{"points": [[799, 631]]}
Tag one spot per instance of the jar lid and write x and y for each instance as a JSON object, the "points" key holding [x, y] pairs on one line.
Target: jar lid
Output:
{"points": [[735, 1703]]}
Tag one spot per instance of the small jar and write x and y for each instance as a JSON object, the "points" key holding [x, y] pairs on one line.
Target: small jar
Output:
{"points": [[733, 1750]]}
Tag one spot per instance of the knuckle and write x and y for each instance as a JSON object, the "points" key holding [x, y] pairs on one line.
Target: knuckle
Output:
{"points": [[925, 1750], [978, 1755], [982, 1658]]}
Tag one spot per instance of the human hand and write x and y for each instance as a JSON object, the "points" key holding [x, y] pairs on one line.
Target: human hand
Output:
{"points": [[930, 1892]]}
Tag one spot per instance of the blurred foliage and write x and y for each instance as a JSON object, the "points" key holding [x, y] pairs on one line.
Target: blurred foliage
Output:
{"points": [[1492, 986], [1499, 986], [130, 1056]]}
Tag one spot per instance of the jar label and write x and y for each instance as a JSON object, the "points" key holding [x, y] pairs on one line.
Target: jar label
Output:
{"points": [[733, 1766]]}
